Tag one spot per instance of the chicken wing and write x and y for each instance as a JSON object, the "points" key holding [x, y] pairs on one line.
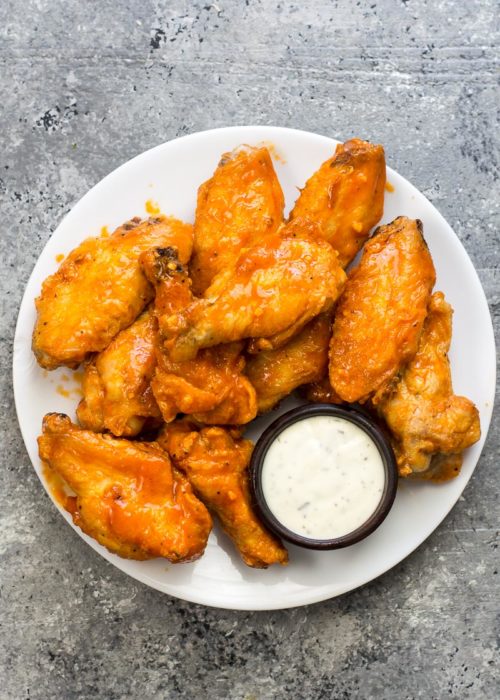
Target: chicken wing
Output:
{"points": [[271, 292], [211, 387], [276, 373], [240, 203], [380, 315], [128, 496], [100, 289], [117, 393], [215, 460], [346, 196], [422, 413]]}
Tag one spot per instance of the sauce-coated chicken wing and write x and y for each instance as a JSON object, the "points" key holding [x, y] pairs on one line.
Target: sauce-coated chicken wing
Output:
{"points": [[276, 373], [100, 289], [215, 460], [117, 393], [379, 317], [128, 496], [422, 413], [211, 387], [240, 203], [271, 292], [346, 196]]}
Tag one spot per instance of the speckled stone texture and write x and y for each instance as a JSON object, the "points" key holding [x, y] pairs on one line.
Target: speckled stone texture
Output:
{"points": [[85, 86]]}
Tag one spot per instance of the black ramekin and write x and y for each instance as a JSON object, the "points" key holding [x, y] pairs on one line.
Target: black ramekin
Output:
{"points": [[363, 421]]}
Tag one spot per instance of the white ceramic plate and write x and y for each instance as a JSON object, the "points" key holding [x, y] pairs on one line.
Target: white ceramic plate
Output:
{"points": [[170, 175]]}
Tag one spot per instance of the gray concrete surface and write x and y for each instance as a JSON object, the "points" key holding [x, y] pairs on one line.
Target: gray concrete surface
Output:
{"points": [[83, 87]]}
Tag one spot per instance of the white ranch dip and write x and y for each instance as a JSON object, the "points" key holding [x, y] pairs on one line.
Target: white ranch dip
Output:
{"points": [[323, 477]]}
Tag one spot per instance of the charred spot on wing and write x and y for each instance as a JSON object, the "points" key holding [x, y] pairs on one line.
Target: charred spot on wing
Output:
{"points": [[344, 154], [342, 158], [55, 414], [420, 228], [167, 261], [170, 252], [133, 223], [55, 422]]}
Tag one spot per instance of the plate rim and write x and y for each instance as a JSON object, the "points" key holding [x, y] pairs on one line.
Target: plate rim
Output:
{"points": [[244, 603]]}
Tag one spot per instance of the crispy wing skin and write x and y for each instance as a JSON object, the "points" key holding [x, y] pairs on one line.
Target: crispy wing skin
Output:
{"points": [[346, 196], [211, 387], [424, 416], [321, 392], [90, 410], [100, 289], [215, 460], [276, 373], [117, 393], [442, 467], [128, 496], [271, 292], [380, 315], [240, 203]]}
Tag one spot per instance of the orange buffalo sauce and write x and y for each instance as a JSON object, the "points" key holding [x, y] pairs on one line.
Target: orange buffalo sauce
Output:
{"points": [[273, 151], [60, 257], [77, 377], [152, 207], [146, 485], [70, 391], [56, 487], [389, 187]]}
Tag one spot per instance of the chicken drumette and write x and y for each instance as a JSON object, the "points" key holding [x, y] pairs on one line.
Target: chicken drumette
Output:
{"points": [[211, 387], [423, 414], [276, 373], [215, 460], [117, 393]]}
